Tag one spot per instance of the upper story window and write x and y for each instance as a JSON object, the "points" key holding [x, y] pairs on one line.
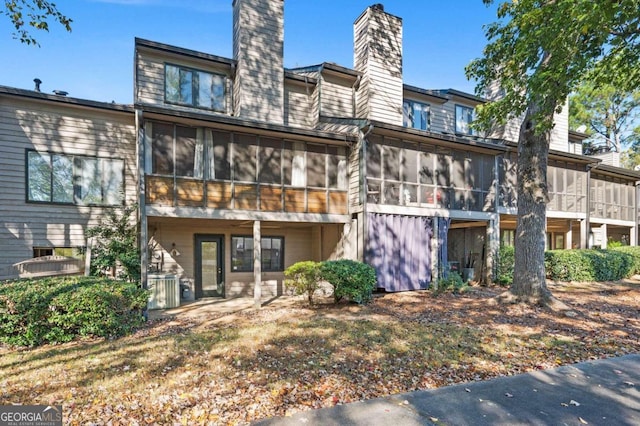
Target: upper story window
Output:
{"points": [[73, 179], [464, 118], [200, 89], [416, 115]]}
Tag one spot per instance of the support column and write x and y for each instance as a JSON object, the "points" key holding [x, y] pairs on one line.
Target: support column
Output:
{"points": [[603, 236], [584, 236], [257, 265], [492, 244], [435, 266], [568, 238], [141, 166], [633, 235]]}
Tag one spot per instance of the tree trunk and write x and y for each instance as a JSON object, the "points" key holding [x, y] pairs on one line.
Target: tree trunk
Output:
{"points": [[529, 280]]}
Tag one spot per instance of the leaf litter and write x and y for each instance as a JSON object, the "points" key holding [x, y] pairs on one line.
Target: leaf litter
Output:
{"points": [[277, 361]]}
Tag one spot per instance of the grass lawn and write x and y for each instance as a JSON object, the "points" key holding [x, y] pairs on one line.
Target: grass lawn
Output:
{"points": [[278, 361]]}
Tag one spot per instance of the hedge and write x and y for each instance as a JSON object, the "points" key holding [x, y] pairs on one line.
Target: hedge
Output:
{"points": [[590, 265], [578, 265], [56, 310]]}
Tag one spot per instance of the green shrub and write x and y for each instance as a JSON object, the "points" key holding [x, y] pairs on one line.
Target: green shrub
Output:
{"points": [[506, 262], [590, 265], [350, 279], [453, 282], [55, 310], [634, 252], [304, 278]]}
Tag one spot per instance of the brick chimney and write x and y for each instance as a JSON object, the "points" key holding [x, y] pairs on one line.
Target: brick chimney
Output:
{"points": [[258, 40], [377, 53]]}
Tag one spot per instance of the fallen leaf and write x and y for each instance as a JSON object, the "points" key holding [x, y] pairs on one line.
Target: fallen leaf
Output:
{"points": [[508, 395], [572, 402], [583, 421], [467, 390]]}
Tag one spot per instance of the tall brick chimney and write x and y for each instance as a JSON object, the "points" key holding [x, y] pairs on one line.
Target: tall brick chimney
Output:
{"points": [[377, 53], [258, 40]]}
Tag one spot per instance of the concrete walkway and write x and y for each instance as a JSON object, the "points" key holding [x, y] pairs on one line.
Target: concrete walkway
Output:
{"points": [[603, 392]]}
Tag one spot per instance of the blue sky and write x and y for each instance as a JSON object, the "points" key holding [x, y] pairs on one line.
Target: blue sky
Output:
{"points": [[95, 60]]}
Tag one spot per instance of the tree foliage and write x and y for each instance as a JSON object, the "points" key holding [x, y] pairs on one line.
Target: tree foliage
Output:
{"points": [[25, 15], [538, 51], [607, 114]]}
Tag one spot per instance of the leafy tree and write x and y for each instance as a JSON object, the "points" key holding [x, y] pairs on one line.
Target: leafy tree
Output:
{"points": [[35, 14], [538, 51], [608, 114], [115, 250]]}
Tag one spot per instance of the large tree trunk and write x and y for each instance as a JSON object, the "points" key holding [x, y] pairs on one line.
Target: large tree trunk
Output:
{"points": [[529, 281]]}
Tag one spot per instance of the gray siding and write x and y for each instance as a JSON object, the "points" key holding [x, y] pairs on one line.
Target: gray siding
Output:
{"points": [[443, 118], [560, 133], [336, 97], [44, 126], [354, 175], [150, 77], [378, 55], [258, 43], [298, 104]]}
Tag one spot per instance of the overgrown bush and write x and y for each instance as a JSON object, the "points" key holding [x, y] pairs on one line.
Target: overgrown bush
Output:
{"points": [[506, 262], [55, 310], [304, 278], [115, 251], [589, 265], [352, 280], [453, 282]]}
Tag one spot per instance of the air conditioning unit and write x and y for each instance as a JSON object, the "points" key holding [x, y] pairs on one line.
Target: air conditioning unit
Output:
{"points": [[165, 291]]}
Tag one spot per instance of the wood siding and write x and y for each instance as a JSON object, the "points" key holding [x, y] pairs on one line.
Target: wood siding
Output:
{"points": [[298, 105], [336, 97], [258, 43], [560, 133], [354, 175], [150, 77], [378, 55], [48, 127]]}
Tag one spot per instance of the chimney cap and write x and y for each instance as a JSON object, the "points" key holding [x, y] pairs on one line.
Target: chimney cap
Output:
{"points": [[37, 81], [378, 6]]}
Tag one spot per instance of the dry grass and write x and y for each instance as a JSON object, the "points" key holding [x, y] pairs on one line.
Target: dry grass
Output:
{"points": [[278, 361]]}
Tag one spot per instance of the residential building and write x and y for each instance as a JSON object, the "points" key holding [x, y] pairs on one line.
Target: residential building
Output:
{"points": [[241, 167]]}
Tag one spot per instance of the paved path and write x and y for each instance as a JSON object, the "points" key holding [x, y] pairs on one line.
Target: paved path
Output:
{"points": [[603, 392]]}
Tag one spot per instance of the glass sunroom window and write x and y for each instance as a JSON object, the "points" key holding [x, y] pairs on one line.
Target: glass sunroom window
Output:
{"points": [[201, 89]]}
